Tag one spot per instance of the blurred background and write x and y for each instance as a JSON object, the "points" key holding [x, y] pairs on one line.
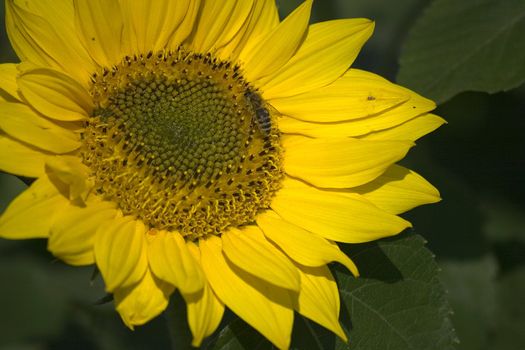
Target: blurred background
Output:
{"points": [[477, 231]]}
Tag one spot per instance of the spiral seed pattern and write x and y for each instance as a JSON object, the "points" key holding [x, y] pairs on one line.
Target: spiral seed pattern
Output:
{"points": [[175, 142]]}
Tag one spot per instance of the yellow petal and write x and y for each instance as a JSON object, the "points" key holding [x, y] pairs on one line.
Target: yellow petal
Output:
{"points": [[235, 26], [250, 251], [340, 162], [187, 25], [143, 301], [219, 21], [410, 130], [304, 247], [355, 95], [171, 261], [120, 252], [205, 313], [72, 234], [21, 123], [343, 218], [319, 298], [55, 94], [21, 159], [8, 74], [43, 33], [33, 212], [398, 190], [387, 121], [204, 309], [272, 52], [328, 51], [263, 306], [99, 25], [147, 26], [261, 21], [69, 173]]}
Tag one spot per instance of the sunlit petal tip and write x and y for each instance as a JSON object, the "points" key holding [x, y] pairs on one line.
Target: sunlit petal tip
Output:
{"points": [[70, 175], [340, 162], [250, 251], [8, 76], [319, 299], [398, 190], [73, 232], [171, 261], [327, 52], [41, 202], [273, 316], [205, 313], [120, 253], [139, 303], [343, 218], [302, 246]]}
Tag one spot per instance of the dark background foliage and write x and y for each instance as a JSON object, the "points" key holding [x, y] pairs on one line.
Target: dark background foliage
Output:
{"points": [[469, 56]]}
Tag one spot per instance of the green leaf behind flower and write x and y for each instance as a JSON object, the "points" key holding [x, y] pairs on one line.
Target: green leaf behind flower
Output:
{"points": [[398, 302], [470, 45]]}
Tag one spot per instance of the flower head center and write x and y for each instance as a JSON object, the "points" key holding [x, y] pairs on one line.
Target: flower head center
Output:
{"points": [[181, 141]]}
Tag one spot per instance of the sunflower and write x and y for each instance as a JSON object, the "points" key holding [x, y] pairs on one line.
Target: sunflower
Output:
{"points": [[205, 146]]}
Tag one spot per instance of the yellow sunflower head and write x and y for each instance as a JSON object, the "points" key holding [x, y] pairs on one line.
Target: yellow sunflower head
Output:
{"points": [[205, 146]]}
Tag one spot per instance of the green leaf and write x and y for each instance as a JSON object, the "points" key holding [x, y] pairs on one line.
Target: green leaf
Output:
{"points": [[397, 303], [238, 335], [465, 45]]}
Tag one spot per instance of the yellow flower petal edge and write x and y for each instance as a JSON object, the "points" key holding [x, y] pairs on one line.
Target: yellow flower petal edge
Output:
{"points": [[55, 94], [171, 260], [97, 22], [120, 253], [41, 202], [72, 233], [151, 27], [266, 308], [340, 162], [260, 22], [249, 251], [8, 75], [205, 310], [354, 95], [43, 33], [398, 190], [346, 218], [279, 45], [320, 61], [207, 147], [319, 298], [21, 159], [304, 247], [143, 301], [21, 123]]}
